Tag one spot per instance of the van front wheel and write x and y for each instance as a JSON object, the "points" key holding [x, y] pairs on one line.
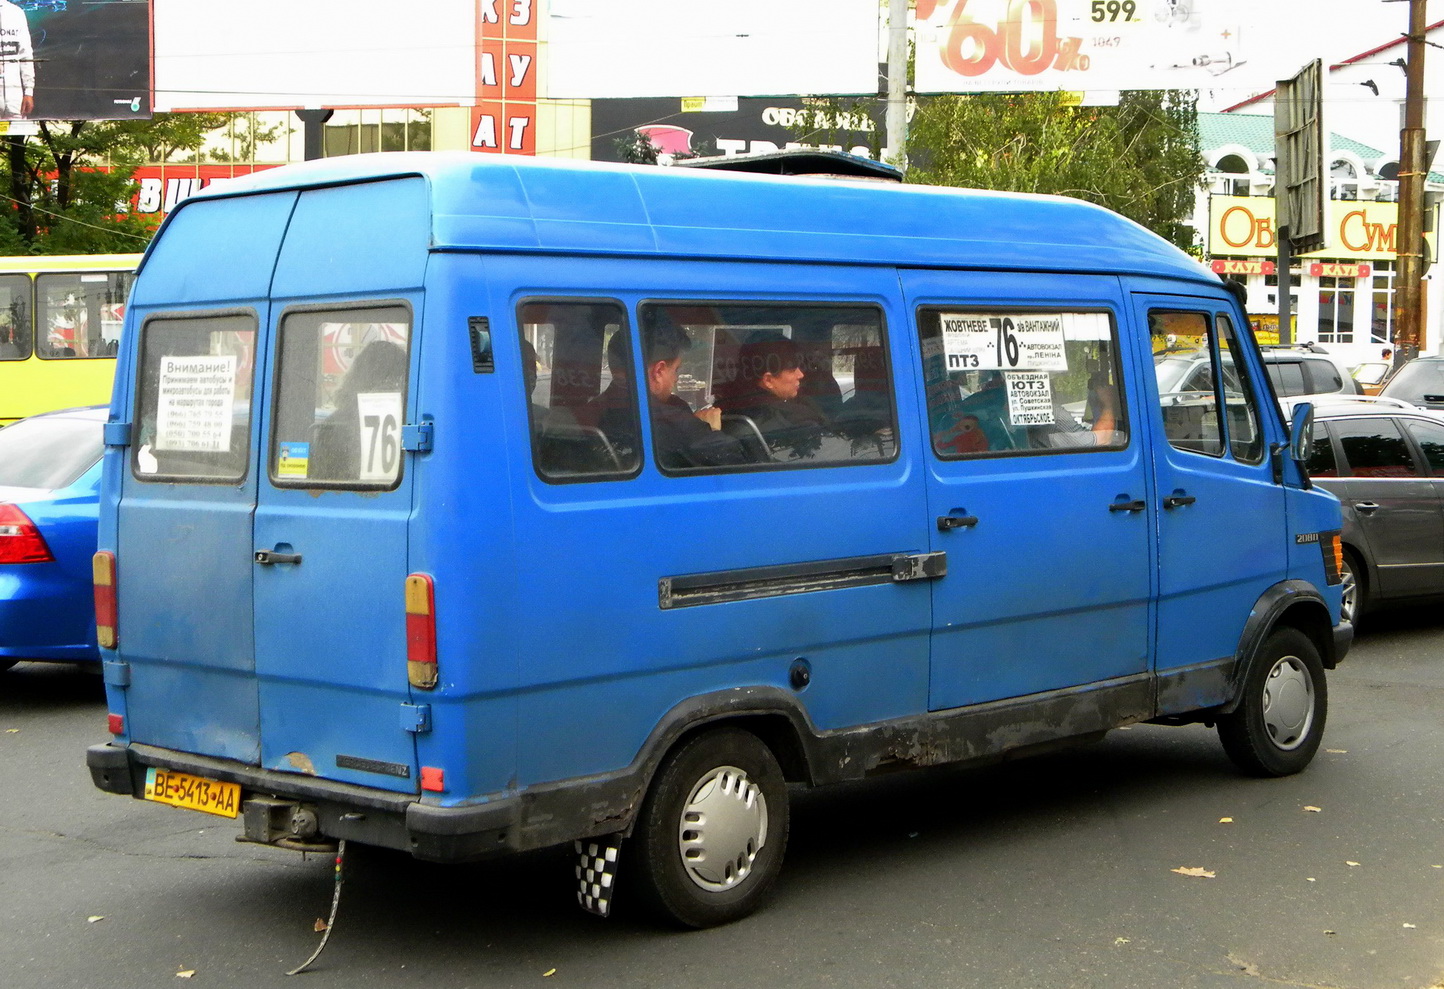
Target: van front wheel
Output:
{"points": [[1279, 721], [711, 834]]}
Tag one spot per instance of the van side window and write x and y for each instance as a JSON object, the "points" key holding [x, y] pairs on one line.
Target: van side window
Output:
{"points": [[1020, 381], [1184, 364], [194, 401], [1245, 440], [747, 384], [577, 368], [341, 398]]}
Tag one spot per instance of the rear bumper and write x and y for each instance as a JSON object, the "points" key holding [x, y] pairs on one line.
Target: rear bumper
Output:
{"points": [[404, 821]]}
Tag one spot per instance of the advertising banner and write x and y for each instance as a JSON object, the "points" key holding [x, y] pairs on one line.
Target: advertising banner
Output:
{"points": [[74, 59], [1047, 45], [1244, 226], [750, 125]]}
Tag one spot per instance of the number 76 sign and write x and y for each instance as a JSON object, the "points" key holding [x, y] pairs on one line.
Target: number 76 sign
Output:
{"points": [[1042, 45]]}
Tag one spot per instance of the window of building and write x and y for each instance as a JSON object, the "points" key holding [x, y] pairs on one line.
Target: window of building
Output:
{"points": [[350, 132], [1336, 309], [1021, 381]]}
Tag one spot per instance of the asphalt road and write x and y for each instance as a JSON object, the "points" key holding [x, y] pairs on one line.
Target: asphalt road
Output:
{"points": [[1052, 872]]}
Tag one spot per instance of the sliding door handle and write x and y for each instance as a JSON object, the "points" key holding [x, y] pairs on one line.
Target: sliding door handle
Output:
{"points": [[1127, 506]]}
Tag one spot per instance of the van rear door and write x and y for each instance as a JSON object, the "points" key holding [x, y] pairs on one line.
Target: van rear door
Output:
{"points": [[335, 490], [188, 483]]}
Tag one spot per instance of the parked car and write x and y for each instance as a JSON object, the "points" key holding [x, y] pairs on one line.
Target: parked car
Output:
{"points": [[49, 491], [1371, 375], [1296, 371], [1421, 381], [1385, 463]]}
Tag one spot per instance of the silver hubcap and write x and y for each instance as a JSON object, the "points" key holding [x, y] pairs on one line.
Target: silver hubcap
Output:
{"points": [[1350, 585], [723, 828], [1288, 703]]}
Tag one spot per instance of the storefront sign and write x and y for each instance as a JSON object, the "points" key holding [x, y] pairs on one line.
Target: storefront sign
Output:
{"points": [[1332, 269], [1245, 226], [1223, 266]]}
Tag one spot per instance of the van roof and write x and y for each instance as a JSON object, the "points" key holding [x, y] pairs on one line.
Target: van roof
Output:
{"points": [[497, 202]]}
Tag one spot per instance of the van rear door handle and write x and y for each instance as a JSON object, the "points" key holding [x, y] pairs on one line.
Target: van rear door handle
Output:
{"points": [[1127, 506], [1178, 501], [266, 557], [946, 522]]}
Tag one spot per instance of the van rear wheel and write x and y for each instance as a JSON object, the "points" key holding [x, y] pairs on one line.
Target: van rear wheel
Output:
{"points": [[712, 831], [1279, 721]]}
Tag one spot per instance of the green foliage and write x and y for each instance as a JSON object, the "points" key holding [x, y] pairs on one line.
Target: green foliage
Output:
{"points": [[1139, 158], [67, 188]]}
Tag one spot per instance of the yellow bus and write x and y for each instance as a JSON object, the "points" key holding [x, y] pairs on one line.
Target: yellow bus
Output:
{"points": [[60, 320]]}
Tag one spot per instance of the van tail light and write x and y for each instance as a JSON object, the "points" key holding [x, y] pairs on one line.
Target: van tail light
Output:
{"points": [[102, 568], [20, 541], [1332, 543], [420, 631]]}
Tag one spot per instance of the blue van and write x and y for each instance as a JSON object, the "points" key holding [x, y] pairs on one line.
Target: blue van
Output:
{"points": [[466, 505]]}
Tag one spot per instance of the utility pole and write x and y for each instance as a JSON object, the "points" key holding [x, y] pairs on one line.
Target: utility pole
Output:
{"points": [[1409, 243], [897, 80]]}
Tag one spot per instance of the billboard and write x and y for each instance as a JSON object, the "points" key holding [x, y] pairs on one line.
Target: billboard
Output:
{"points": [[750, 125], [1241, 46], [74, 59], [632, 48], [287, 55]]}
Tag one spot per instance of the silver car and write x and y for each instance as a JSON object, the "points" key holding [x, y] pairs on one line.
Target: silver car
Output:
{"points": [[1386, 466]]}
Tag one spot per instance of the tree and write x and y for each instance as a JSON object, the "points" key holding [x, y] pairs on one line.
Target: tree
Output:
{"points": [[68, 188], [1139, 158]]}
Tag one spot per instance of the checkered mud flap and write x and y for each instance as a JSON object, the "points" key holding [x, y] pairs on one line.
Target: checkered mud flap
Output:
{"points": [[597, 873]]}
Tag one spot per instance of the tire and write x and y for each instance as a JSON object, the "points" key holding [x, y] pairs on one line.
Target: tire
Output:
{"points": [[1279, 721], [1356, 589], [711, 834]]}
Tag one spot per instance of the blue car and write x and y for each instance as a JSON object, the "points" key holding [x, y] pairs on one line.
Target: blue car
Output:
{"points": [[49, 486]]}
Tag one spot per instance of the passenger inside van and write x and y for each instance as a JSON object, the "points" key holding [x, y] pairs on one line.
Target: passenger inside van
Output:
{"points": [[682, 438], [769, 368], [380, 367]]}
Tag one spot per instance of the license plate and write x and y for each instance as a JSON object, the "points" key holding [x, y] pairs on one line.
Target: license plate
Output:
{"points": [[166, 786]]}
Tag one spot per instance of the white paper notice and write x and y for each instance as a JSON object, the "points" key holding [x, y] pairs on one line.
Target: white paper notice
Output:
{"points": [[379, 418], [1030, 398], [194, 400], [1018, 341]]}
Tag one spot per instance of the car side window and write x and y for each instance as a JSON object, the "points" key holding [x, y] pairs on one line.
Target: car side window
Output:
{"points": [[1374, 447], [1288, 378], [1190, 414], [1003, 382], [739, 385], [1322, 462], [1245, 440], [1430, 437], [341, 397], [194, 398], [1324, 377], [581, 390]]}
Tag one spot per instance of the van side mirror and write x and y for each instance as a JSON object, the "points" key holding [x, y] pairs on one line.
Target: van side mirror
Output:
{"points": [[1301, 433]]}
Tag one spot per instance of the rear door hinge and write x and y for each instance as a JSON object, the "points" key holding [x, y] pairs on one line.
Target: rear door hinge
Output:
{"points": [[415, 717], [115, 672], [117, 434], [919, 566], [417, 437]]}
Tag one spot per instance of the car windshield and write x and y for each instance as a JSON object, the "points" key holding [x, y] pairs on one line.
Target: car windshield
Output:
{"points": [[1172, 370], [1418, 381], [48, 451]]}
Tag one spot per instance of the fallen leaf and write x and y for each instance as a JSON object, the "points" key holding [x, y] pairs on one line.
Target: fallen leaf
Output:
{"points": [[1198, 871], [1120, 940], [12, 731], [1312, 809], [549, 973], [1331, 933], [1310, 879], [91, 920], [1225, 820], [187, 974], [1336, 751], [1350, 864], [1410, 926], [319, 926]]}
